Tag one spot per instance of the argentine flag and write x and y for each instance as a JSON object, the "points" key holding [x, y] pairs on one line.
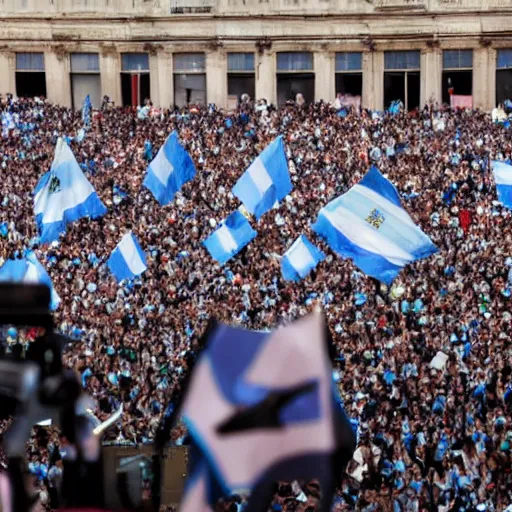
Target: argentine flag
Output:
{"points": [[260, 407], [169, 171], [230, 238], [86, 112], [266, 181], [127, 259], [64, 195], [503, 178], [369, 225], [298, 261], [28, 270]]}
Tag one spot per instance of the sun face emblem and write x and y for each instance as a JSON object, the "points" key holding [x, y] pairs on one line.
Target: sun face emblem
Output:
{"points": [[375, 218], [54, 185]]}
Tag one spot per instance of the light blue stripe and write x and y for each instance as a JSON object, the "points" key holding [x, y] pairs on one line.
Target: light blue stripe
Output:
{"points": [[505, 195], [374, 180], [117, 265]]}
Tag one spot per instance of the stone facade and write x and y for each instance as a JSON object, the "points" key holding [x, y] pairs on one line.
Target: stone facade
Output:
{"points": [[162, 28]]}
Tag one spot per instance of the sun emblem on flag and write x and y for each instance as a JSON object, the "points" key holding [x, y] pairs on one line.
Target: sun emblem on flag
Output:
{"points": [[375, 218], [54, 185]]}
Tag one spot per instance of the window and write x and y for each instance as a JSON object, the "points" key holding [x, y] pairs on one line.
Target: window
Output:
{"points": [[189, 62], [457, 84], [240, 62], [349, 78], [135, 80], [504, 75], [189, 79], [402, 78], [85, 78], [30, 75], [30, 62], [295, 61], [85, 63], [241, 77], [402, 60], [349, 61], [457, 59], [134, 62]]}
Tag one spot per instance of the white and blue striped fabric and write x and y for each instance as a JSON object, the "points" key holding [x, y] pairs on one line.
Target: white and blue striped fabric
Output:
{"points": [[503, 178], [298, 261], [230, 238], [64, 195], [369, 225], [29, 270], [171, 168], [127, 259], [266, 181]]}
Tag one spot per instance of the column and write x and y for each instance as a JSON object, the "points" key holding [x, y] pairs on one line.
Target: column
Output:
{"points": [[58, 80], [165, 80], [431, 76], [154, 82], [7, 73], [484, 78], [373, 80], [324, 76], [110, 68], [266, 80], [217, 78]]}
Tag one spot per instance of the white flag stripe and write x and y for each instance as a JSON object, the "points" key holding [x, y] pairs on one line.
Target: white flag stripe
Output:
{"points": [[360, 233], [226, 239], [299, 255], [260, 176], [502, 173], [161, 167], [131, 255]]}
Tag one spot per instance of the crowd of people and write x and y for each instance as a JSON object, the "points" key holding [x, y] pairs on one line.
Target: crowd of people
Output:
{"points": [[430, 437]]}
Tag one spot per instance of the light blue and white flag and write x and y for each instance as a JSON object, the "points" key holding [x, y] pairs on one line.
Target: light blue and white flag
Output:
{"points": [[7, 123], [86, 112], [298, 261], [369, 225], [266, 181], [127, 259], [64, 195], [29, 270], [503, 178], [230, 238], [169, 171]]}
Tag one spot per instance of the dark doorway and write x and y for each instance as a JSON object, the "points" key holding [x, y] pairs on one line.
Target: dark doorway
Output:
{"points": [[460, 82], [135, 88], [239, 84], [30, 84], [289, 85], [503, 85], [349, 83], [403, 86]]}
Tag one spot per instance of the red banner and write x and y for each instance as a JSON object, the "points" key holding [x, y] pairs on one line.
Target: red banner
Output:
{"points": [[135, 90]]}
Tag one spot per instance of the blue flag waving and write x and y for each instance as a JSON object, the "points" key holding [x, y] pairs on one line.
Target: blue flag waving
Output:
{"points": [[369, 225], [261, 407], [503, 177], [29, 270], [266, 181], [86, 112], [127, 259], [300, 259], [169, 171], [230, 238], [64, 195]]}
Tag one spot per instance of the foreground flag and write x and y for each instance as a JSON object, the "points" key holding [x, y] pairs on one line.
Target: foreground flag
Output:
{"points": [[169, 171], [64, 195], [298, 261], [261, 407], [86, 112], [369, 225], [127, 259], [230, 238], [503, 178], [29, 270], [266, 181]]}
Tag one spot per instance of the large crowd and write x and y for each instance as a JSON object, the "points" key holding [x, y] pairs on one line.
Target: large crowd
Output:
{"points": [[428, 439]]}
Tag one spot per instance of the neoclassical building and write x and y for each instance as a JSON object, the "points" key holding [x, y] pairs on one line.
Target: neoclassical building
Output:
{"points": [[212, 51]]}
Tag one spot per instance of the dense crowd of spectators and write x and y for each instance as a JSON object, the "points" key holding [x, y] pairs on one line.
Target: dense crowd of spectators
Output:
{"points": [[428, 439]]}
